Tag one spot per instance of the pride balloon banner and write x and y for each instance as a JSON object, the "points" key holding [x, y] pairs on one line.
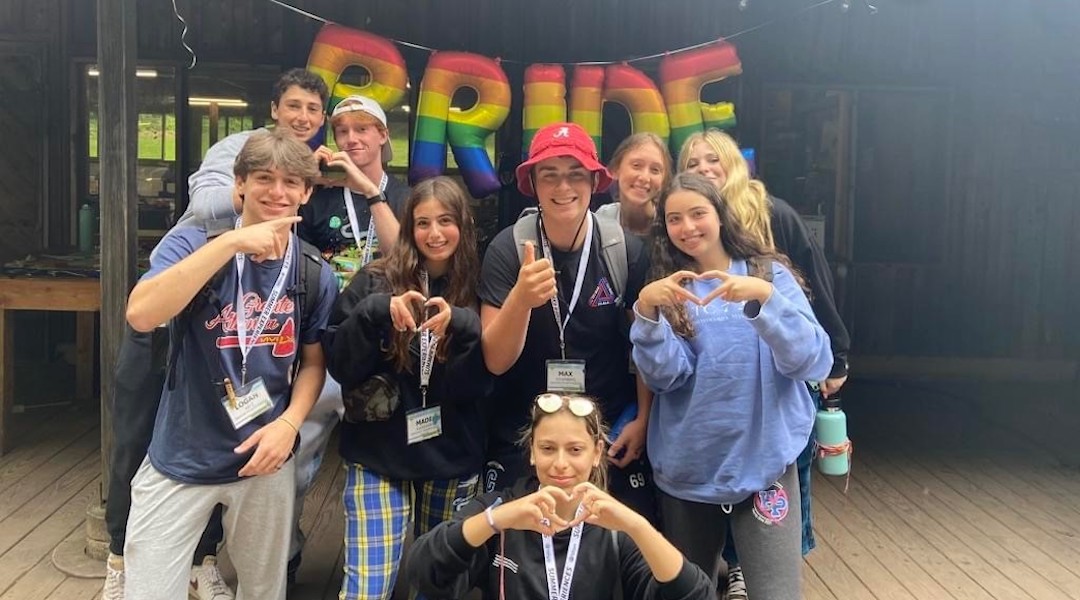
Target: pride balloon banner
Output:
{"points": [[634, 90], [467, 130], [672, 111], [336, 48], [545, 100], [681, 78]]}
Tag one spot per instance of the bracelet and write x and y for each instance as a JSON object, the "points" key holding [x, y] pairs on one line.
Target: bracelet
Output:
{"points": [[372, 201], [490, 519], [289, 423]]}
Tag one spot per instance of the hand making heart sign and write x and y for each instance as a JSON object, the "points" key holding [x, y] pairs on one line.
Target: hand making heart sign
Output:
{"points": [[673, 291], [404, 319]]}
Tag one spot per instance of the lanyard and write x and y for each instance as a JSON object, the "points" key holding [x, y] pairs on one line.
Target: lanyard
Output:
{"points": [[561, 590], [428, 343], [583, 264], [372, 238], [245, 341]]}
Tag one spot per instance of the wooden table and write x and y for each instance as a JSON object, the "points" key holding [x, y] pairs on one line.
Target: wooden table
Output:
{"points": [[80, 295]]}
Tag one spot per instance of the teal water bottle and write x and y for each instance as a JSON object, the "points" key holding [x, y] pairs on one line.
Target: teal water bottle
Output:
{"points": [[87, 225], [834, 447]]}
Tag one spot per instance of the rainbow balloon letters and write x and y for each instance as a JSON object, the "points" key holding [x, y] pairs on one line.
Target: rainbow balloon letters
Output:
{"points": [[468, 129], [673, 111]]}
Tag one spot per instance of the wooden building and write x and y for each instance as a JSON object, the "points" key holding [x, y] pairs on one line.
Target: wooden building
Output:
{"points": [[929, 140], [932, 137]]}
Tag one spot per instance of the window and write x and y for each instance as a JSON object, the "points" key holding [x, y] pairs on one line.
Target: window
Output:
{"points": [[156, 169]]}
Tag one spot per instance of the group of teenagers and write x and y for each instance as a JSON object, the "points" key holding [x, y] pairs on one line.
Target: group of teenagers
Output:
{"points": [[596, 408]]}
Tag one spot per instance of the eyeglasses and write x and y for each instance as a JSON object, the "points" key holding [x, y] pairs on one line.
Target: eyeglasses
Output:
{"points": [[580, 406]]}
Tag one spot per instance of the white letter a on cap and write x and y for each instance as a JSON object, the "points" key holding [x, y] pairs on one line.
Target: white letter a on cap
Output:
{"points": [[562, 132]]}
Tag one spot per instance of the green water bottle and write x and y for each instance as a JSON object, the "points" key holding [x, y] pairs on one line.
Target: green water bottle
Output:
{"points": [[834, 447], [87, 225]]}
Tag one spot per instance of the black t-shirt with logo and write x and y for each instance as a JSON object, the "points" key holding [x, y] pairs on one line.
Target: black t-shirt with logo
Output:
{"points": [[326, 225], [596, 333]]}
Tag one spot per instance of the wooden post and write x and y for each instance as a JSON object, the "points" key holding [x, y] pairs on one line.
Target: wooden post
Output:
{"points": [[118, 136]]}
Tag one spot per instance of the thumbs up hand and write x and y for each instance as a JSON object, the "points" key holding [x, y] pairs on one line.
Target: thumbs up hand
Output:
{"points": [[536, 279]]}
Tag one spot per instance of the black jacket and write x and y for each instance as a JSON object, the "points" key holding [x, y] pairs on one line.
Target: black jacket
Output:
{"points": [[794, 240], [358, 331], [443, 565]]}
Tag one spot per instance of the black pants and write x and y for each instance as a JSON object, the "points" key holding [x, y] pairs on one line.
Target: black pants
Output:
{"points": [[140, 376]]}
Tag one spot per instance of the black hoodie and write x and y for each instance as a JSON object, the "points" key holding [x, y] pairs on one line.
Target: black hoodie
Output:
{"points": [[358, 331], [443, 565]]}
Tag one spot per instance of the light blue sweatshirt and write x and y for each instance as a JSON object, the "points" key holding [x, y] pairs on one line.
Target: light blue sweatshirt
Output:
{"points": [[210, 189], [731, 410]]}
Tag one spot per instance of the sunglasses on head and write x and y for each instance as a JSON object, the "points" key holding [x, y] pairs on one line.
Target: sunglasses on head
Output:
{"points": [[580, 406]]}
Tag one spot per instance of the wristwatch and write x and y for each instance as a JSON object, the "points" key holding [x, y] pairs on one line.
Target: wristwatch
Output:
{"points": [[373, 200]]}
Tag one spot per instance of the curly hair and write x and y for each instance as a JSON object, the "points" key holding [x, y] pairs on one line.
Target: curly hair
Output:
{"points": [[401, 265], [738, 243], [303, 79], [748, 199]]}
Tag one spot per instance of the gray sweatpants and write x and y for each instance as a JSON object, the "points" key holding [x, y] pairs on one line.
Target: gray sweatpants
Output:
{"points": [[767, 528], [167, 518]]}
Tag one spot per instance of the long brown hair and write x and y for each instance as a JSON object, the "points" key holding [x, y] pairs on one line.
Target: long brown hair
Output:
{"points": [[402, 264], [738, 242]]}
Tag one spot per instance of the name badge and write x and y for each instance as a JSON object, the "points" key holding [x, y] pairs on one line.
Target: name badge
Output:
{"points": [[247, 403], [566, 376], [423, 424]]}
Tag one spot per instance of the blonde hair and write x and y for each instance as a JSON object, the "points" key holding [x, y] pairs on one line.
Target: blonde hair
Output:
{"points": [[746, 198]]}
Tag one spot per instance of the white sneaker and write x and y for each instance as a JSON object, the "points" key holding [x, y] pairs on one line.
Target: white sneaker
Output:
{"points": [[114, 578], [736, 585], [207, 583]]}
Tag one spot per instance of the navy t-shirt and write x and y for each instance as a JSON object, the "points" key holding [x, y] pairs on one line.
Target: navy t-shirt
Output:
{"points": [[193, 437]]}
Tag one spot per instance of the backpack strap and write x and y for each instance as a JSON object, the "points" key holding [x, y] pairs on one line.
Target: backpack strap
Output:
{"points": [[307, 294], [613, 251], [525, 231]]}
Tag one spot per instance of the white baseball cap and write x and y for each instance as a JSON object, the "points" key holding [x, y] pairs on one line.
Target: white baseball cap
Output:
{"points": [[366, 105]]}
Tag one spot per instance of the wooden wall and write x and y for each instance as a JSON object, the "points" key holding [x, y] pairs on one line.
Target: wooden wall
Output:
{"points": [[34, 171], [994, 268]]}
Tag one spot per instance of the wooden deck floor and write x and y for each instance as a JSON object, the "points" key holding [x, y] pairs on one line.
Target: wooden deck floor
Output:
{"points": [[943, 504]]}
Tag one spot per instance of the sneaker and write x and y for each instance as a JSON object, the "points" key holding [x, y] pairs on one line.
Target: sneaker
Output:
{"points": [[736, 585], [207, 583], [114, 578]]}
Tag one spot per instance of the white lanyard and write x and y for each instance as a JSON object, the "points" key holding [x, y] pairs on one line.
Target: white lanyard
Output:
{"points": [[428, 343], [561, 590], [244, 340], [583, 264], [350, 207]]}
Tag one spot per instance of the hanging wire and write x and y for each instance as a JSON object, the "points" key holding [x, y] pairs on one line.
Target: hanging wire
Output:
{"points": [[299, 11], [732, 36], [183, 35]]}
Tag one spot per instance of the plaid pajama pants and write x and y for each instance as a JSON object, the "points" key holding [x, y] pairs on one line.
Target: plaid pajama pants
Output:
{"points": [[378, 512]]}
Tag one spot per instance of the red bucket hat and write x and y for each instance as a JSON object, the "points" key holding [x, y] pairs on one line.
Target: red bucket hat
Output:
{"points": [[562, 139]]}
